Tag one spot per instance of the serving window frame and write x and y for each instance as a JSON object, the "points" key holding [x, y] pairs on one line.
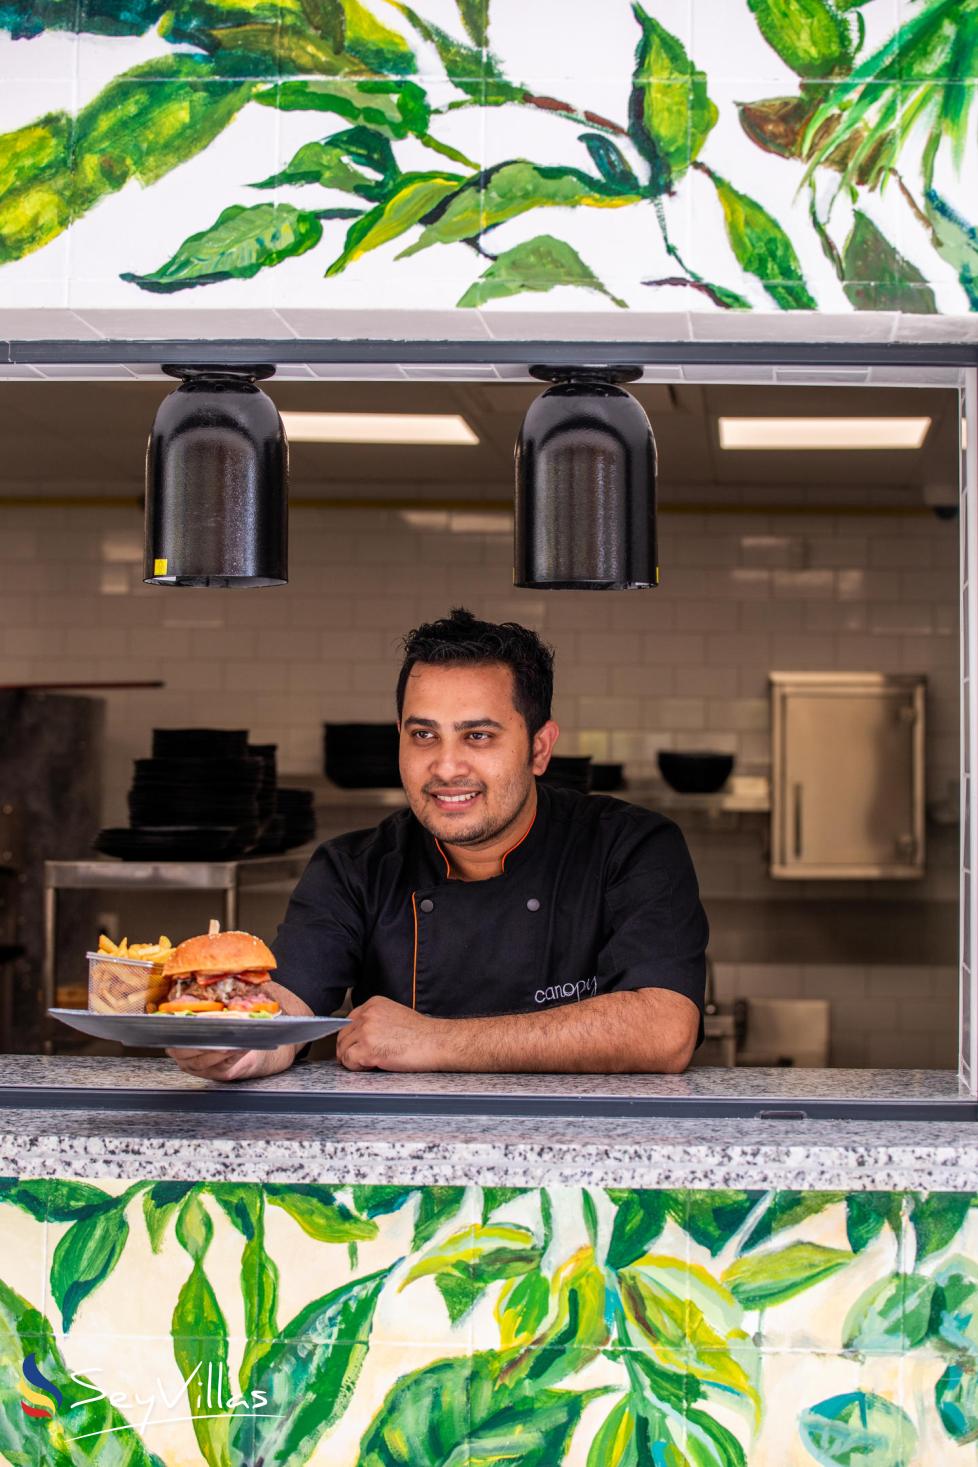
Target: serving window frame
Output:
{"points": [[951, 364]]}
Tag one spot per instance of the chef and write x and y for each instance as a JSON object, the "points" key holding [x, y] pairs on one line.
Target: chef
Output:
{"points": [[498, 923]]}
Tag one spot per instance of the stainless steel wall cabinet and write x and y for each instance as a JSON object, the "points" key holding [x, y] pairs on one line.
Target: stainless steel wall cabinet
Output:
{"points": [[847, 778]]}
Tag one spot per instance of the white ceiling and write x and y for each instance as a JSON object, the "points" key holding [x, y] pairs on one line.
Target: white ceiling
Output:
{"points": [[89, 437]]}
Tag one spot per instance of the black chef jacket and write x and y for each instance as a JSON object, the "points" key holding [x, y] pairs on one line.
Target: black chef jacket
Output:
{"points": [[599, 896]]}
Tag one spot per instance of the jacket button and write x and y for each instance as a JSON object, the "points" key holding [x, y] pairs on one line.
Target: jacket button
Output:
{"points": [[427, 905], [533, 905]]}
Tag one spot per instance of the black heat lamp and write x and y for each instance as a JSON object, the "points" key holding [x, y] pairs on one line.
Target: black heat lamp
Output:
{"points": [[585, 485], [217, 475]]}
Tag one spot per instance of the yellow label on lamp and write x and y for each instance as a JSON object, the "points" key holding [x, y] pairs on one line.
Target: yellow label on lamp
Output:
{"points": [[159, 567]]}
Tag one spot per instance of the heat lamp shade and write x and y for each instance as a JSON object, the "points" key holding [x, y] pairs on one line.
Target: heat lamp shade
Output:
{"points": [[217, 484], [585, 491]]}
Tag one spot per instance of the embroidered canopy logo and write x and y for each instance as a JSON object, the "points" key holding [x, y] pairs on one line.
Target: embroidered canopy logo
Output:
{"points": [[36, 1389]]}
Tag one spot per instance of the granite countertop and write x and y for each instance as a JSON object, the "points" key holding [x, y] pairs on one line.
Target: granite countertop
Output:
{"points": [[494, 1150]]}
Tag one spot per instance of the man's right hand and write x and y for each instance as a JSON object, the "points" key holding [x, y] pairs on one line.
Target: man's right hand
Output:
{"points": [[234, 1064], [245, 1064]]}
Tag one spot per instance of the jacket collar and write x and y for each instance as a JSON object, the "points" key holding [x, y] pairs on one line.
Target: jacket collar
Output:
{"points": [[518, 855]]}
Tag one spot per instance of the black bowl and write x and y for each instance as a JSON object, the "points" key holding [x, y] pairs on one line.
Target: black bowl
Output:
{"points": [[696, 773], [607, 776]]}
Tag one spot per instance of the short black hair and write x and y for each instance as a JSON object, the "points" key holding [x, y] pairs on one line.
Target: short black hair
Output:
{"points": [[461, 639]]}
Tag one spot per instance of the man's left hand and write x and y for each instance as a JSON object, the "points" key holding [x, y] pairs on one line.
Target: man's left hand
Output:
{"points": [[384, 1035]]}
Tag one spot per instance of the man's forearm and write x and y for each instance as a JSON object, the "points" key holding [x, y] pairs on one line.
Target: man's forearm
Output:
{"points": [[644, 1031], [288, 1002]]}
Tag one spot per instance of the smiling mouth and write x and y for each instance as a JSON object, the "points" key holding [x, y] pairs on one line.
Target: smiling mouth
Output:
{"points": [[455, 799]]}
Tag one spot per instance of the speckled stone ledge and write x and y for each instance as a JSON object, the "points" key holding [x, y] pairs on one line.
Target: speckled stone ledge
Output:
{"points": [[495, 1151]]}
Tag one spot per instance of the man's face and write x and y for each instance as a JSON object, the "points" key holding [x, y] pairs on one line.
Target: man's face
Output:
{"points": [[467, 763]]}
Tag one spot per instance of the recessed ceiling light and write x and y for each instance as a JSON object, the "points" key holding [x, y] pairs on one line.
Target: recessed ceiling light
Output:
{"points": [[438, 428], [819, 433]]}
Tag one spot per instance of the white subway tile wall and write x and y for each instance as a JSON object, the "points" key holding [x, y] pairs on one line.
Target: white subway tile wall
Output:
{"points": [[884, 1017], [681, 667], [685, 666]]}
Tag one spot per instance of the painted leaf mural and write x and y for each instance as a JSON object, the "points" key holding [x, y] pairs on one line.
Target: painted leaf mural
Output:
{"points": [[619, 1358], [855, 198]]}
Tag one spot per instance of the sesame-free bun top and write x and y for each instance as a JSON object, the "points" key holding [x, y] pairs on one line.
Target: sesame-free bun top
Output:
{"points": [[222, 952]]}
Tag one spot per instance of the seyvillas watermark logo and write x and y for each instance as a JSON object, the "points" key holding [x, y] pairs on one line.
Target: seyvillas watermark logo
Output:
{"points": [[207, 1392], [40, 1397]]}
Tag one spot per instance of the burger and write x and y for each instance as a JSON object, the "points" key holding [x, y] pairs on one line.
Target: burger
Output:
{"points": [[220, 972]]}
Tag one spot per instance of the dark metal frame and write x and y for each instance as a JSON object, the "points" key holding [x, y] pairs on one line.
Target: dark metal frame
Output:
{"points": [[461, 353], [231, 1101]]}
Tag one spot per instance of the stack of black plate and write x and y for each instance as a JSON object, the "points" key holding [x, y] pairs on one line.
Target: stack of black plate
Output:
{"points": [[362, 755], [268, 783], [569, 773], [295, 809], [197, 798]]}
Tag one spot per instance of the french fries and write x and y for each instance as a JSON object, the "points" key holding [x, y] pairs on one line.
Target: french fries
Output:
{"points": [[117, 986], [140, 952]]}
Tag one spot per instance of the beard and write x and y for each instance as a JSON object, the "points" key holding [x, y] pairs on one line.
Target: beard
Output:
{"points": [[492, 821]]}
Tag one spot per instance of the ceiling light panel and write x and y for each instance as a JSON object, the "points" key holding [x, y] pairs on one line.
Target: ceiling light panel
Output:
{"points": [[788, 434], [445, 429]]}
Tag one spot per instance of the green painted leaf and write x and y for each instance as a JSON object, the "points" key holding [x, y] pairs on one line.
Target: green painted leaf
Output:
{"points": [[892, 1314], [97, 1427], [375, 1201], [473, 69], [936, 1218], [876, 275], [308, 1374], [810, 36], [159, 1204], [56, 1199], [149, 120], [787, 1210], [395, 109], [711, 1444], [506, 191], [200, 1342], [956, 1398], [954, 1311], [522, 1308], [458, 1411], [671, 1327], [283, 36], [143, 124], [27, 18], [617, 1443], [340, 162], [34, 152], [590, 1213], [858, 1429], [413, 197], [574, 1329], [763, 249], [956, 241], [242, 241], [259, 1287], [537, 264], [194, 1227], [712, 1218], [475, 17], [764, 1279], [84, 1257], [241, 1202], [438, 1205], [318, 1213], [638, 1222], [610, 161], [493, 1198], [464, 1264], [546, 1219], [670, 114], [866, 1212]]}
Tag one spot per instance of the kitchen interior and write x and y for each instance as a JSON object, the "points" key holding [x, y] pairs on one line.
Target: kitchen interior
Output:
{"points": [[789, 694]]}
